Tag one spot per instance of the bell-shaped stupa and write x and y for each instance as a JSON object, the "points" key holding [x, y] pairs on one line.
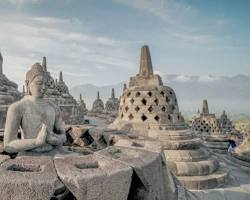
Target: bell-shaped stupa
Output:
{"points": [[149, 108]]}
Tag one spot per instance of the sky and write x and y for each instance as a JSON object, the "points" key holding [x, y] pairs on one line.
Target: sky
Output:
{"points": [[99, 41]]}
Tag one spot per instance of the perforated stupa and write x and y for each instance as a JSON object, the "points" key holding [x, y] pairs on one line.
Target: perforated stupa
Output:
{"points": [[149, 108]]}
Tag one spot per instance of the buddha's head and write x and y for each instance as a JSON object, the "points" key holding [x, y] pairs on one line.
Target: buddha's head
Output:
{"points": [[35, 81]]}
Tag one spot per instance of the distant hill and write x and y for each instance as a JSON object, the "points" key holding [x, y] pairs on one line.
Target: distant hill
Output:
{"points": [[223, 93]]}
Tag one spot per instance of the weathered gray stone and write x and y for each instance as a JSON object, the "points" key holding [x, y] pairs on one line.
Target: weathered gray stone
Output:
{"points": [[40, 122], [149, 108], [95, 177], [3, 158], [147, 104], [226, 124], [214, 180], [8, 94], [98, 105], [145, 184], [58, 93], [26, 178], [241, 155], [206, 124], [112, 104]]}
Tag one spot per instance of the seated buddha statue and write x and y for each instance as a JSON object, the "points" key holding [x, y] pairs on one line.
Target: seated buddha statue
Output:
{"points": [[42, 128]]}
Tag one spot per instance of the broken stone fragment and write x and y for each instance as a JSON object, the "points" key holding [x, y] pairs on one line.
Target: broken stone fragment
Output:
{"points": [[145, 184], [94, 177], [28, 178]]}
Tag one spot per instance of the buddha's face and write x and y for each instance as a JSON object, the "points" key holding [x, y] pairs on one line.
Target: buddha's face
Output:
{"points": [[37, 86]]}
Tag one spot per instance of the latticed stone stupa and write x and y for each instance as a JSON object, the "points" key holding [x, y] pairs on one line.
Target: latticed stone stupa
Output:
{"points": [[151, 109], [8, 93], [98, 105], [82, 106], [112, 103], [146, 103], [206, 122], [58, 92], [208, 126], [226, 124]]}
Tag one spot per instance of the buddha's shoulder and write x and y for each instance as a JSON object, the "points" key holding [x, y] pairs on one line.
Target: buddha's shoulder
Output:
{"points": [[18, 106]]}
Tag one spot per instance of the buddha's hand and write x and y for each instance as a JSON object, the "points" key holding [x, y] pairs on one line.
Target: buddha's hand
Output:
{"points": [[41, 138], [53, 139]]}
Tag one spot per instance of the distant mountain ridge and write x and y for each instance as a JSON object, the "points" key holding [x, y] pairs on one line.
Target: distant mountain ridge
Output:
{"points": [[223, 93]]}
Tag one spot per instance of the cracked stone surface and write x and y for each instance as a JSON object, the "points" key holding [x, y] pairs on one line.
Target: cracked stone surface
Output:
{"points": [[26, 178], [151, 185], [95, 177]]}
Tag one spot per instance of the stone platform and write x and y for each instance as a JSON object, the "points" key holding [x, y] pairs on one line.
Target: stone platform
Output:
{"points": [[217, 143], [134, 168], [192, 164], [237, 187]]}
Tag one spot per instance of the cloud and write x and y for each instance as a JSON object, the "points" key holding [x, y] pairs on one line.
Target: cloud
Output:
{"points": [[182, 78], [209, 78], [27, 2], [170, 11], [20, 2], [183, 23], [80, 54]]}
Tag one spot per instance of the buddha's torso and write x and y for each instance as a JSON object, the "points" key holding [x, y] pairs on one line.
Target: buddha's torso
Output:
{"points": [[34, 112]]}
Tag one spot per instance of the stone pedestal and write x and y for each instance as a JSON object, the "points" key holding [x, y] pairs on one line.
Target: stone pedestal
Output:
{"points": [[192, 164], [241, 155], [218, 143]]}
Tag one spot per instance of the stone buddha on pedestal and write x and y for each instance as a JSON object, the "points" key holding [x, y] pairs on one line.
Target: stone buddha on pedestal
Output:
{"points": [[42, 129]]}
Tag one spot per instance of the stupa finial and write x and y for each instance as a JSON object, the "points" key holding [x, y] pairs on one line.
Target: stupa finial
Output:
{"points": [[44, 64], [24, 90], [113, 93], [98, 95], [61, 77], [205, 109], [124, 87], [146, 68]]}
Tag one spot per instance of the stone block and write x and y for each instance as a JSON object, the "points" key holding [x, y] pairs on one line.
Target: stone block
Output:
{"points": [[214, 180], [204, 167], [26, 178], [139, 142], [3, 158], [94, 177], [151, 179]]}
